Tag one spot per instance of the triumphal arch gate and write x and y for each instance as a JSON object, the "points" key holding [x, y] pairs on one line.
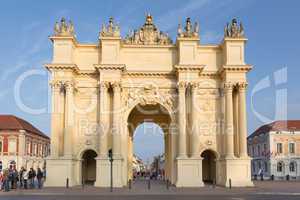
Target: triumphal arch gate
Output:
{"points": [[101, 92]]}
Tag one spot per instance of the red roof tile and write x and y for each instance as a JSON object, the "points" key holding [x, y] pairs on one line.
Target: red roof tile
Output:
{"points": [[282, 125], [10, 122]]}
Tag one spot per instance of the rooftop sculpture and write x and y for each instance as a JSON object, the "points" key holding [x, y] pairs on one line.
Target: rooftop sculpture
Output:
{"points": [[234, 30], [111, 30], [189, 30], [148, 34], [63, 28]]}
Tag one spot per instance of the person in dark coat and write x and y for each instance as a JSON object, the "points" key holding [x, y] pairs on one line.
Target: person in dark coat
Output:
{"points": [[39, 177]]}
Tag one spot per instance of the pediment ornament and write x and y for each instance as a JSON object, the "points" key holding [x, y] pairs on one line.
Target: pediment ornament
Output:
{"points": [[148, 34]]}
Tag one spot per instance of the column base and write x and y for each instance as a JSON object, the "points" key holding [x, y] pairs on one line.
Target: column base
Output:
{"points": [[189, 172], [103, 172], [235, 172], [58, 171]]}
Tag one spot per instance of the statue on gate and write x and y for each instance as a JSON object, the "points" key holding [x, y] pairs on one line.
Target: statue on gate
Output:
{"points": [[234, 30], [189, 30], [111, 30], [148, 34], [63, 28]]}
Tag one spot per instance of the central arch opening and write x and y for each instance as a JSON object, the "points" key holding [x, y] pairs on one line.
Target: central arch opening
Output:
{"points": [[208, 166], [89, 167], [149, 143]]}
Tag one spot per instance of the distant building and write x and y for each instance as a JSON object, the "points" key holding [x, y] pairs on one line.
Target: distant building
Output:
{"points": [[21, 144], [275, 149], [138, 164]]}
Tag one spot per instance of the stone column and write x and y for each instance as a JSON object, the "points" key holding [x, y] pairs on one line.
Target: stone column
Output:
{"points": [[69, 119], [236, 122], [104, 118], [116, 119], [195, 128], [229, 121], [182, 119], [242, 119], [55, 119]]}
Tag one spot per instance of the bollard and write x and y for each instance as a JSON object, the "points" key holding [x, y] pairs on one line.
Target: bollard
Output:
{"points": [[67, 183], [129, 184], [287, 177], [167, 184], [149, 184], [272, 177], [230, 183], [262, 177], [255, 177]]}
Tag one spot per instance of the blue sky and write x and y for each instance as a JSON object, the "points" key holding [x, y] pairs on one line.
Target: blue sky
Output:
{"points": [[272, 27]]}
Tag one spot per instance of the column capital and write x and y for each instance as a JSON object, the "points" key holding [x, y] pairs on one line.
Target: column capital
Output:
{"points": [[182, 85], [55, 85], [228, 86], [242, 85], [69, 85], [194, 85], [104, 85], [116, 86]]}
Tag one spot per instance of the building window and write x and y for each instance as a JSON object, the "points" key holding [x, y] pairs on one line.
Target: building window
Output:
{"points": [[279, 166], [265, 148], [292, 167], [35, 149], [1, 146], [12, 146], [292, 148], [258, 150], [28, 148], [279, 147], [266, 166], [253, 151]]}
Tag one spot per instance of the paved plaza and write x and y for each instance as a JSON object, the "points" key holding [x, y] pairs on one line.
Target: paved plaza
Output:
{"points": [[262, 190]]}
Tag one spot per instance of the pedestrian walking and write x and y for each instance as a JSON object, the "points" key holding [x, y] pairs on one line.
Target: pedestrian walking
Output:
{"points": [[6, 180], [31, 177], [25, 178], [15, 178], [21, 181], [39, 177], [1, 180]]}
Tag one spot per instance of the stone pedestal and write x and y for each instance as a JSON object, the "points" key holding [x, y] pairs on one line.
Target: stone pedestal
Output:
{"points": [[189, 172], [58, 171], [103, 172], [234, 169], [117, 172]]}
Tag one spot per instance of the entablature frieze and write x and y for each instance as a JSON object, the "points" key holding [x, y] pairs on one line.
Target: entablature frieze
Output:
{"points": [[62, 67], [235, 68], [100, 67], [189, 68]]}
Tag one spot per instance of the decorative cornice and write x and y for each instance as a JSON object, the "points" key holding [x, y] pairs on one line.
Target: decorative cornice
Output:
{"points": [[235, 68], [62, 66], [189, 67], [209, 74], [150, 74], [121, 67]]}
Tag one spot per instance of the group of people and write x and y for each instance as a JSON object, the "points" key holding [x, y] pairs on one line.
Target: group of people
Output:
{"points": [[11, 178]]}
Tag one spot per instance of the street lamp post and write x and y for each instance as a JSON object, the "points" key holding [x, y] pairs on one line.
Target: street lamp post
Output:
{"points": [[110, 156]]}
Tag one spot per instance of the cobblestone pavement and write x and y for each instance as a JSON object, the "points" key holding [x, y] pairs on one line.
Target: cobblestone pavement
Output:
{"points": [[262, 190]]}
